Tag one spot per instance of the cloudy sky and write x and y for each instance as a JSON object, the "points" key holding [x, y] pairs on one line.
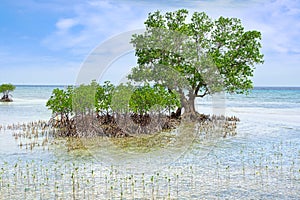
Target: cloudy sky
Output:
{"points": [[47, 42]]}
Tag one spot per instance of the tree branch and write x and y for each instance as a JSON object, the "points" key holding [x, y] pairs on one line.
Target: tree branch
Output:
{"points": [[197, 88], [204, 94]]}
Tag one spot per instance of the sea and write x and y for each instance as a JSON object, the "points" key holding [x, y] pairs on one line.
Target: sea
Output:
{"points": [[262, 161]]}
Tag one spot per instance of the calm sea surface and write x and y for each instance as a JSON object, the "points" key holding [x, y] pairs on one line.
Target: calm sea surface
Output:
{"points": [[261, 162]]}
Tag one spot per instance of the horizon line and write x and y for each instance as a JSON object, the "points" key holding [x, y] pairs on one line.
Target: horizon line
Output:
{"points": [[62, 85]]}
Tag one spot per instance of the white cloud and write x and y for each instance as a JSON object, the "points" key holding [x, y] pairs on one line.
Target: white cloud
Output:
{"points": [[82, 25], [277, 20], [280, 24], [91, 24], [63, 25]]}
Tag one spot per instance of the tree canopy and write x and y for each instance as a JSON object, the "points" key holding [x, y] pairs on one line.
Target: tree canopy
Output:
{"points": [[201, 56], [6, 89], [60, 102]]}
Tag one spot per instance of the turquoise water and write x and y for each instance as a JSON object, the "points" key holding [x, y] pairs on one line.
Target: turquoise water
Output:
{"points": [[277, 98], [261, 162], [29, 105]]}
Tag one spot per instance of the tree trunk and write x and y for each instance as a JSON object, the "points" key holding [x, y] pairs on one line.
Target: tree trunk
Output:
{"points": [[5, 98], [188, 103]]}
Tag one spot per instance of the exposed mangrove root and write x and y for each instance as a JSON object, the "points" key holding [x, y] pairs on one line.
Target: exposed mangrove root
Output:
{"points": [[131, 125], [30, 135], [6, 98], [112, 126], [40, 133]]}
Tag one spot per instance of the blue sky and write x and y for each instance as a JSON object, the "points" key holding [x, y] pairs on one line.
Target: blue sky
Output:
{"points": [[46, 42]]}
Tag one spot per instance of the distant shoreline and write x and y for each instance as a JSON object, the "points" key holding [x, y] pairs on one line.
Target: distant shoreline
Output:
{"points": [[255, 88]]}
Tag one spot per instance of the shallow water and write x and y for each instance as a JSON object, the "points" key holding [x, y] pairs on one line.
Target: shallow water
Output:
{"points": [[261, 162], [29, 105]]}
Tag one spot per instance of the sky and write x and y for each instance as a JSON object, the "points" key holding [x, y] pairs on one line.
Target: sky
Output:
{"points": [[47, 42]]}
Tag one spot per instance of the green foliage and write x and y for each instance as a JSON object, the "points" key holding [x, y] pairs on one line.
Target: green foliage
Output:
{"points": [[202, 56], [121, 97], [61, 105], [73, 108], [104, 97], [167, 99], [156, 99], [108, 99], [6, 89], [84, 98], [142, 99], [60, 101]]}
